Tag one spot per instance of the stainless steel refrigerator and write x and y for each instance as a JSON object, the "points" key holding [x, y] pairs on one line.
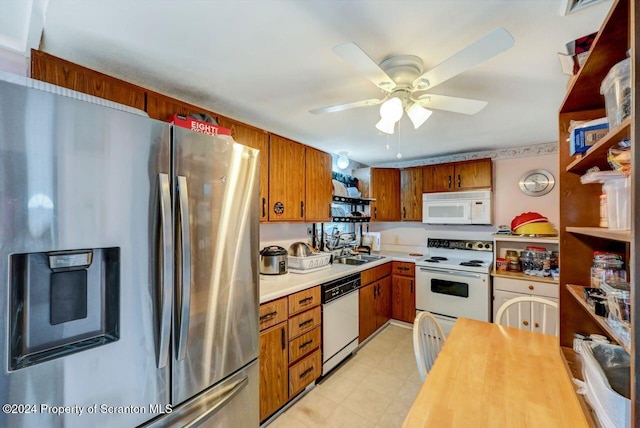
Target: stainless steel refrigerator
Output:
{"points": [[128, 262]]}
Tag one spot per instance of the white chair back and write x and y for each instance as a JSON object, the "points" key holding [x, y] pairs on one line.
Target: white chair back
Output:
{"points": [[530, 313], [428, 339]]}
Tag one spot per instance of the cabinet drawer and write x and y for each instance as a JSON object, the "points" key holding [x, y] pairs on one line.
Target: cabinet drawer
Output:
{"points": [[272, 313], [302, 345], [304, 300], [403, 268], [303, 373], [304, 322], [370, 275], [542, 289]]}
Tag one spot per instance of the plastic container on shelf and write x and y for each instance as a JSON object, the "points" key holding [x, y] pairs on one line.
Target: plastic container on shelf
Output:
{"points": [[618, 299], [616, 88], [618, 198], [607, 270], [535, 259]]}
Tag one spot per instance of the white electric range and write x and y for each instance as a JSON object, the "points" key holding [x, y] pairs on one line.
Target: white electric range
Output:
{"points": [[454, 280]]}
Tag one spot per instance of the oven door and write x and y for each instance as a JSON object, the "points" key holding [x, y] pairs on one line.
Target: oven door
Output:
{"points": [[446, 212], [453, 293]]}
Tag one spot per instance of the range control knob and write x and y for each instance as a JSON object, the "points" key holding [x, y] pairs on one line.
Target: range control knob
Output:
{"points": [[469, 245]]}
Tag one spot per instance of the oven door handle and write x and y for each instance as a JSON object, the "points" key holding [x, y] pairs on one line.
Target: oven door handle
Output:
{"points": [[452, 273]]}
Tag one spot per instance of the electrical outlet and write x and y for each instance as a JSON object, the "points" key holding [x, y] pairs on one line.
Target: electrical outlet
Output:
{"points": [[309, 231]]}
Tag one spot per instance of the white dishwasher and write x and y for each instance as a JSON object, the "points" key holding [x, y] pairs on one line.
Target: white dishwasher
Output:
{"points": [[339, 320]]}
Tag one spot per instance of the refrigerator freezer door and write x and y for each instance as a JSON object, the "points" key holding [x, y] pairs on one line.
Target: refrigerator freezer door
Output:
{"points": [[233, 402], [77, 176], [220, 317]]}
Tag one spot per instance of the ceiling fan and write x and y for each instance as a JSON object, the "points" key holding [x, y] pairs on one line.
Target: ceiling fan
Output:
{"points": [[405, 84]]}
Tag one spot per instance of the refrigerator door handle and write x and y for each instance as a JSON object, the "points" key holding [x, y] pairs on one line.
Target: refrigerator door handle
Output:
{"points": [[235, 390], [166, 270], [185, 280]]}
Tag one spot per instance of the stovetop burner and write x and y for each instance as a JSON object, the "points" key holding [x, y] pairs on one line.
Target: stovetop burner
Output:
{"points": [[438, 258], [471, 263]]}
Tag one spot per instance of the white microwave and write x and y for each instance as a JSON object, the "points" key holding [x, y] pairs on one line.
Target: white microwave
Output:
{"points": [[457, 207]]}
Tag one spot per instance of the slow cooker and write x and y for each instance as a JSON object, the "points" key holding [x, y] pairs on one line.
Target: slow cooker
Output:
{"points": [[273, 260]]}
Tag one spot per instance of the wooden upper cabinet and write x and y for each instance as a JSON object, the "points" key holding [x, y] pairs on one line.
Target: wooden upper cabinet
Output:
{"points": [[58, 71], [411, 194], [318, 185], [162, 107], [383, 184], [474, 174], [286, 180], [454, 176], [258, 139]]}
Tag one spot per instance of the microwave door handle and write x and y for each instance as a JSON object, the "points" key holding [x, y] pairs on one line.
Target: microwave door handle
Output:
{"points": [[166, 274], [185, 277], [452, 272]]}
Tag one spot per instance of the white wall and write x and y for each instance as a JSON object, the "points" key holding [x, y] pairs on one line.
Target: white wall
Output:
{"points": [[14, 62]]}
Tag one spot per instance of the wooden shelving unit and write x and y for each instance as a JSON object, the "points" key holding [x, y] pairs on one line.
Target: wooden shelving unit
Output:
{"points": [[579, 204], [520, 275], [573, 364]]}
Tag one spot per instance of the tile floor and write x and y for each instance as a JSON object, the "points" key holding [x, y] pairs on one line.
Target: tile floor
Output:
{"points": [[374, 389]]}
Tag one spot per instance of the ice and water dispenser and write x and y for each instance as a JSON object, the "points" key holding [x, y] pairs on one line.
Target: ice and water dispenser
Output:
{"points": [[62, 302]]}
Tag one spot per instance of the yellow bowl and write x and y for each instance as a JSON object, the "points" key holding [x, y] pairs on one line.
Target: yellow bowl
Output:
{"points": [[541, 228]]}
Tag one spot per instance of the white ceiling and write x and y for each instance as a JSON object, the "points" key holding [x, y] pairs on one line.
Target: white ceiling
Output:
{"points": [[267, 63]]}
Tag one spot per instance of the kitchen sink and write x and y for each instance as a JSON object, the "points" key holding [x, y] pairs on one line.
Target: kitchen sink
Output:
{"points": [[358, 259], [350, 261]]}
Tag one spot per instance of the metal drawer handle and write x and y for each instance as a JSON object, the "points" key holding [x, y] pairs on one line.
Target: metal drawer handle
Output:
{"points": [[305, 301], [306, 323], [404, 268], [268, 316], [305, 344], [306, 372]]}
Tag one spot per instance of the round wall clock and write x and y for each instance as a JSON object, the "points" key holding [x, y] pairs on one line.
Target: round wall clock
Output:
{"points": [[537, 182]]}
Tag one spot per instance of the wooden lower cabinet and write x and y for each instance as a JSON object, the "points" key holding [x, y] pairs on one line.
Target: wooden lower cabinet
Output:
{"points": [[304, 372], [290, 352], [374, 301], [403, 290], [274, 369]]}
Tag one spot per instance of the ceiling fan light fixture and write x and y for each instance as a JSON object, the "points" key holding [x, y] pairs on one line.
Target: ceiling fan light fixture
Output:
{"points": [[418, 115], [391, 110], [385, 126]]}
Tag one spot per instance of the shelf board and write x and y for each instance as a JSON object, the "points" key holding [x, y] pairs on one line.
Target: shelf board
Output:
{"points": [[597, 154], [601, 232], [523, 277], [607, 50], [531, 239], [576, 292], [573, 364]]}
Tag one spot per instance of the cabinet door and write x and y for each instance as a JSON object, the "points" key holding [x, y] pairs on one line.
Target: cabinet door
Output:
{"points": [[318, 186], [437, 178], [403, 305], [473, 174], [500, 297], [383, 301], [258, 139], [411, 196], [367, 311], [385, 188], [274, 370], [286, 180], [58, 71]]}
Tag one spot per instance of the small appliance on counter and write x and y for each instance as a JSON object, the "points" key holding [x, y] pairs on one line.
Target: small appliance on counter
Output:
{"points": [[273, 260]]}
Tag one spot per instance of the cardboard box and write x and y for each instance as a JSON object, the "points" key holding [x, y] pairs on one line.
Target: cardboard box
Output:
{"points": [[199, 125], [586, 135]]}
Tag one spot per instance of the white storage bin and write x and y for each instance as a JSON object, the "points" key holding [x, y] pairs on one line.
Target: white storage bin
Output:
{"points": [[616, 88], [618, 193], [612, 409]]}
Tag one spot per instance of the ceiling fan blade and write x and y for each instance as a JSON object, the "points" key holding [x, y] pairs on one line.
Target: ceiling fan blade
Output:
{"points": [[497, 41], [354, 55], [341, 107], [454, 104]]}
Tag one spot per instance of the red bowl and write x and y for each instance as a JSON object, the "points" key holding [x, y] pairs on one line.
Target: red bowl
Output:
{"points": [[526, 218]]}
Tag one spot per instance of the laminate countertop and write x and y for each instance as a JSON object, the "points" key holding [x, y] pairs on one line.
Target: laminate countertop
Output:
{"points": [[488, 375], [276, 286]]}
